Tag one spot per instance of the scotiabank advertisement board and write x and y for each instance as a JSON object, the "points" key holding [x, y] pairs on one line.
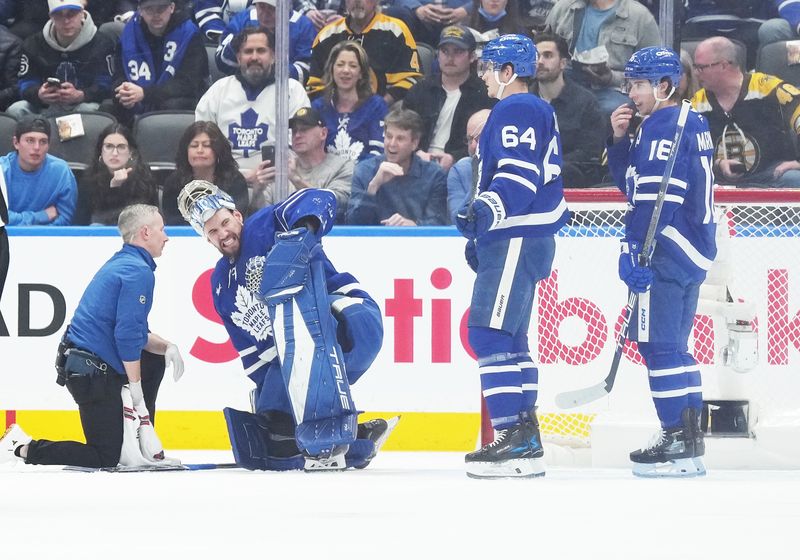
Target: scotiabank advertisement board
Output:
{"points": [[419, 278]]}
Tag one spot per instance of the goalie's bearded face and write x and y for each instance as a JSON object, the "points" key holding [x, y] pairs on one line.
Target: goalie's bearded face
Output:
{"points": [[224, 231]]}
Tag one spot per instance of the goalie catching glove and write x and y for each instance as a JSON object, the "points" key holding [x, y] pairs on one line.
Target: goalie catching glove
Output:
{"points": [[634, 271]]}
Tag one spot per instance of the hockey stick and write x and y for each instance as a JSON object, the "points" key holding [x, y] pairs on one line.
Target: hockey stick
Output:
{"points": [[578, 397], [156, 468]]}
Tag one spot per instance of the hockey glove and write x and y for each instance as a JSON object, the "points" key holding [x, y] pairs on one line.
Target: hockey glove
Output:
{"points": [[174, 359], [474, 220], [471, 254], [637, 277]]}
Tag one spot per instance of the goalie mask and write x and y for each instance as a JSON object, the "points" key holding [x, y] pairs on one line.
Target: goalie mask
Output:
{"points": [[199, 200]]}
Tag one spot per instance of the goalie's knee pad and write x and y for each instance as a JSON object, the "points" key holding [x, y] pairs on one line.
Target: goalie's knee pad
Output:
{"points": [[359, 331], [258, 447]]}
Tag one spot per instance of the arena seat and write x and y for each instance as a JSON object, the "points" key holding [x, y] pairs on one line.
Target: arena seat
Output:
{"points": [[774, 59], [7, 126], [157, 134], [80, 152], [427, 54]]}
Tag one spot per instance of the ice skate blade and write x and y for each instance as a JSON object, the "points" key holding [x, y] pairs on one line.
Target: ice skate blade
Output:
{"points": [[679, 468], [513, 468], [325, 464]]}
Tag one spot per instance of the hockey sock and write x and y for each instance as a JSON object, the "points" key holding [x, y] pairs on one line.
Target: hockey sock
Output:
{"points": [[501, 384], [501, 380], [669, 381], [529, 380], [694, 381]]}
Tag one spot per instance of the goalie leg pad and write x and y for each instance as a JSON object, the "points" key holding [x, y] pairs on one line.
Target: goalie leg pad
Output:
{"points": [[359, 331], [255, 447], [311, 359]]}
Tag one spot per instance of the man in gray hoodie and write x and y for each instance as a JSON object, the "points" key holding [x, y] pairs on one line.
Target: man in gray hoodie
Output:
{"points": [[66, 67]]}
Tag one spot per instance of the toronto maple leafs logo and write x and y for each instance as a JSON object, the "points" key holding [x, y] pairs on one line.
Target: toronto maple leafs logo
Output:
{"points": [[251, 315], [345, 146], [249, 135]]}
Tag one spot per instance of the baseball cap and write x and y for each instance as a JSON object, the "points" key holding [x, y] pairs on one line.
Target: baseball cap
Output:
{"points": [[307, 116], [58, 5], [457, 35], [270, 2], [32, 124]]}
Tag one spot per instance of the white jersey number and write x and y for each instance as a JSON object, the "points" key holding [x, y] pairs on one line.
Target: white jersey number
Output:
{"points": [[138, 71], [511, 138]]}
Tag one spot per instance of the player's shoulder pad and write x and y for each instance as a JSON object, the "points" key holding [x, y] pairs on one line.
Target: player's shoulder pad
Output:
{"points": [[319, 203]]}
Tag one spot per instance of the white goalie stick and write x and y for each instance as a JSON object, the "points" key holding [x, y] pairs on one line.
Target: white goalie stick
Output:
{"points": [[578, 397]]}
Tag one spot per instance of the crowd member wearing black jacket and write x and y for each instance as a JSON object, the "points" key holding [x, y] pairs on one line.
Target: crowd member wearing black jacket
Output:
{"points": [[446, 100], [66, 67], [161, 62], [580, 122], [118, 177], [10, 53]]}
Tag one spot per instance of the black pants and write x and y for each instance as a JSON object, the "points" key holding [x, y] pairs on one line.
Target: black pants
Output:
{"points": [[100, 406], [4, 259]]}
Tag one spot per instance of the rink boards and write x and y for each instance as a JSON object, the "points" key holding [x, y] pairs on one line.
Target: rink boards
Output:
{"points": [[425, 370]]}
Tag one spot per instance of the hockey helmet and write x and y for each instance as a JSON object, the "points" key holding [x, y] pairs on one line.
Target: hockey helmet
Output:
{"points": [[517, 50], [199, 200], [654, 64]]}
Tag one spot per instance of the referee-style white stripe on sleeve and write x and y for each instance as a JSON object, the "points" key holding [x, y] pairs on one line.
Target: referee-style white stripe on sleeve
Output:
{"points": [[500, 390], [671, 371], [649, 179], [675, 392], [509, 368], [686, 246], [517, 179], [506, 280]]}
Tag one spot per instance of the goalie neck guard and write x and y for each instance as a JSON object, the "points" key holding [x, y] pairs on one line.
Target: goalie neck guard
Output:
{"points": [[199, 200]]}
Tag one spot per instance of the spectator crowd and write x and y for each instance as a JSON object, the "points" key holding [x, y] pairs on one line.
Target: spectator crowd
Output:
{"points": [[385, 99]]}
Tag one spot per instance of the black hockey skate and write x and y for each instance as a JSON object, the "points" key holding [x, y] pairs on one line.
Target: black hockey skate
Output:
{"points": [[377, 431], [516, 452], [673, 453]]}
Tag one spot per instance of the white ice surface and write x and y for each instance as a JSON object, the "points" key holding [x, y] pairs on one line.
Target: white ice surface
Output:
{"points": [[405, 505]]}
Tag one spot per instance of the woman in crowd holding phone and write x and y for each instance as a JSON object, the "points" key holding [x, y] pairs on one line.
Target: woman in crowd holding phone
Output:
{"points": [[352, 112], [203, 153], [116, 179]]}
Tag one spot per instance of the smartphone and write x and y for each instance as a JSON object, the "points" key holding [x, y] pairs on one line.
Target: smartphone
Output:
{"points": [[268, 152], [53, 82]]}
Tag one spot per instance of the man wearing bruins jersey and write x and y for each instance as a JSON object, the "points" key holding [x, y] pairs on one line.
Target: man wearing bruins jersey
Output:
{"points": [[754, 119]]}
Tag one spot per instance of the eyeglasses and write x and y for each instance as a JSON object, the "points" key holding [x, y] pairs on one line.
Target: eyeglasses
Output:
{"points": [[704, 67], [119, 148]]}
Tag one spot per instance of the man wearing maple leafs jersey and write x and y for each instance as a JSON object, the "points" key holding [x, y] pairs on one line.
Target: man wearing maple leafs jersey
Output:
{"points": [[238, 291]]}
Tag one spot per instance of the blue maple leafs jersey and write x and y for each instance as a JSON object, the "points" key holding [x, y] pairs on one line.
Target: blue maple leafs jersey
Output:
{"points": [[519, 174], [686, 226], [245, 318]]}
